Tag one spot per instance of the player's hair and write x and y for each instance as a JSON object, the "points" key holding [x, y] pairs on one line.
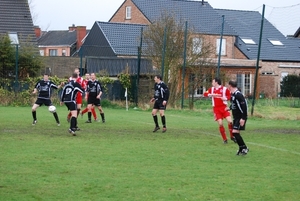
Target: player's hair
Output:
{"points": [[74, 75], [158, 76], [218, 80], [232, 83]]}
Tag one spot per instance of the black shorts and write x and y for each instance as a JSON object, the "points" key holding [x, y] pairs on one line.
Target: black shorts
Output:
{"points": [[158, 104], [41, 101], [71, 106], [94, 101], [236, 124]]}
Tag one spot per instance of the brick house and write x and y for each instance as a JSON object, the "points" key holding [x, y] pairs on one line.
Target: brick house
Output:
{"points": [[279, 54], [62, 42]]}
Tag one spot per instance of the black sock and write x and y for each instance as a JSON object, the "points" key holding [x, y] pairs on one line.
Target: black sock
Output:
{"points": [[73, 123], [163, 121], [89, 116], [239, 140], [155, 120], [56, 117], [102, 116], [78, 112], [34, 115]]}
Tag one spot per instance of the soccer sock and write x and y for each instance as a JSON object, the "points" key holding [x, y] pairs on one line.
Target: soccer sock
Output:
{"points": [[230, 130], [69, 115], [89, 116], [239, 140], [56, 117], [73, 123], [163, 121], [155, 120], [94, 113], [102, 116], [34, 115], [222, 132], [78, 112], [84, 111]]}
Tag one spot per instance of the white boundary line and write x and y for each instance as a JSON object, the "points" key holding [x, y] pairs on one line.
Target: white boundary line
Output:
{"points": [[252, 143]]}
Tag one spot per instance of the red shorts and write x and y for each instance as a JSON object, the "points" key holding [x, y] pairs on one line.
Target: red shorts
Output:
{"points": [[220, 113], [79, 98]]}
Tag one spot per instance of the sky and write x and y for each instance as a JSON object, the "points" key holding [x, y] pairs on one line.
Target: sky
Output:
{"points": [[60, 14]]}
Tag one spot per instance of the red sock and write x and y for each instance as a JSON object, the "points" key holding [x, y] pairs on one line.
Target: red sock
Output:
{"points": [[69, 115], [94, 113], [84, 111], [222, 132], [230, 130]]}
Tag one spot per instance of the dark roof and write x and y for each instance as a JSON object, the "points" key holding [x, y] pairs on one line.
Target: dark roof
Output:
{"points": [[247, 25], [16, 17], [112, 39], [115, 66], [202, 17], [297, 33], [58, 38]]}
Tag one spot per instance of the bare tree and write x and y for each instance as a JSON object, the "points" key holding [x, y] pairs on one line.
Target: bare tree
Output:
{"points": [[198, 50]]}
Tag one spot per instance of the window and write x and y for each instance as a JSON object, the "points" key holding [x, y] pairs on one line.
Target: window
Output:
{"points": [[195, 91], [63, 52], [128, 13], [13, 36], [248, 41], [52, 52], [223, 49], [42, 53], [283, 74], [244, 83], [275, 42], [197, 45]]}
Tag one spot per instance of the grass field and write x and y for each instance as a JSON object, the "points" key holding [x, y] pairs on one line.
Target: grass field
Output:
{"points": [[123, 160]]}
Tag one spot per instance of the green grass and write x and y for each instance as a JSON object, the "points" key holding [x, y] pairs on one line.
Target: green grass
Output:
{"points": [[123, 160]]}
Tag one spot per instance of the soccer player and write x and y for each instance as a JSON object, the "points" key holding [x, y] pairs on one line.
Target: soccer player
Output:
{"points": [[239, 112], [220, 95], [43, 88], [93, 96], [160, 99], [87, 78], [79, 95], [68, 96]]}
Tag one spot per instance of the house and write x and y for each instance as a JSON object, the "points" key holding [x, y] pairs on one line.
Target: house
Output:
{"points": [[16, 21], [61, 43], [279, 55]]}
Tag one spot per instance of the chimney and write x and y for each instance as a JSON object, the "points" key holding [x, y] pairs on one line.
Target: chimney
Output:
{"points": [[81, 33], [72, 28], [37, 31]]}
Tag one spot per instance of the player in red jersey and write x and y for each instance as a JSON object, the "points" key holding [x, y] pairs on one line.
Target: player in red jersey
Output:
{"points": [[79, 80], [220, 95], [87, 78]]}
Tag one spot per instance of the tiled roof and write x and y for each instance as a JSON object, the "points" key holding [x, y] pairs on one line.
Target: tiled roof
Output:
{"points": [[247, 25], [113, 39], [16, 17], [200, 16], [58, 38]]}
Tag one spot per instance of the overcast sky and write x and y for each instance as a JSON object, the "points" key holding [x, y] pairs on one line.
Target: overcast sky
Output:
{"points": [[60, 14]]}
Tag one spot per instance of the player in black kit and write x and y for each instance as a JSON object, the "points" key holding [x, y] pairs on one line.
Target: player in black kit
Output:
{"points": [[239, 112], [160, 99], [43, 88], [93, 96], [68, 96]]}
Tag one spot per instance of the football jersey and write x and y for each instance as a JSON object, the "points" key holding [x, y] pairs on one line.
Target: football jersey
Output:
{"points": [[70, 91], [161, 91], [93, 88], [44, 88], [216, 101]]}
